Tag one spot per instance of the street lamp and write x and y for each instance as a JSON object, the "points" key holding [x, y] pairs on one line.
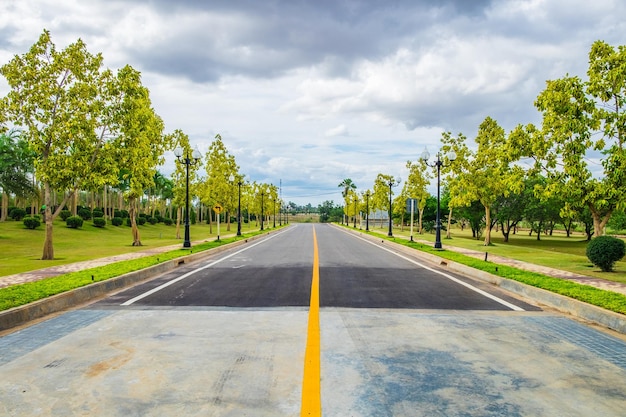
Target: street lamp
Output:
{"points": [[392, 182], [355, 201], [451, 156], [367, 211], [232, 179], [274, 212], [263, 192], [195, 157]]}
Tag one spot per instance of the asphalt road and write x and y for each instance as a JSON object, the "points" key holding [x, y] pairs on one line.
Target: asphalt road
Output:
{"points": [[243, 332]]}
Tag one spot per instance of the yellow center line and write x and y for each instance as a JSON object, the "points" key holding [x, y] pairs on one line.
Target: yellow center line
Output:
{"points": [[311, 384]]}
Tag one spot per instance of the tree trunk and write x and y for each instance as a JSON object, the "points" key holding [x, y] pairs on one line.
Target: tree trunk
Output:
{"points": [[487, 226], [448, 235], [132, 212], [5, 207], [420, 223], [48, 248], [178, 216]]}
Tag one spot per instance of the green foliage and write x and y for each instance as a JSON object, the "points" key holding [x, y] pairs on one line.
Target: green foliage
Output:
{"points": [[84, 213], [65, 214], [117, 221], [604, 251], [99, 222], [152, 220], [17, 214], [31, 222], [74, 222], [167, 221], [120, 213], [97, 213]]}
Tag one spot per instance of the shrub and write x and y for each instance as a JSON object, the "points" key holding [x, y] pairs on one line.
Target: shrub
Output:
{"points": [[74, 222], [117, 221], [84, 213], [152, 220], [99, 222], [604, 251], [167, 221], [123, 214], [31, 222], [17, 214], [97, 213], [65, 214]]}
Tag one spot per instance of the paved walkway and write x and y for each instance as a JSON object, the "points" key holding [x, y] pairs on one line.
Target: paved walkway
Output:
{"points": [[39, 274]]}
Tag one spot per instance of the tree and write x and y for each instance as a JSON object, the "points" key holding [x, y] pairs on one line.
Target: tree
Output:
{"points": [[179, 176], [416, 187], [347, 186], [55, 98], [16, 163], [458, 174], [220, 165], [581, 117], [509, 211]]}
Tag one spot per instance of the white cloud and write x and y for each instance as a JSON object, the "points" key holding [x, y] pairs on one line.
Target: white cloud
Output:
{"points": [[312, 93]]}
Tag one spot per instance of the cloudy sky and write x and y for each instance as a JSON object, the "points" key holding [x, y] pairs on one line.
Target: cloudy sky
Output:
{"points": [[312, 92]]}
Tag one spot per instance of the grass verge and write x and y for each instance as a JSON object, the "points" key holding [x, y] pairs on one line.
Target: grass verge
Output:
{"points": [[605, 299], [18, 295]]}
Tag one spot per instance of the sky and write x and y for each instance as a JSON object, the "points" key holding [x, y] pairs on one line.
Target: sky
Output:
{"points": [[308, 93]]}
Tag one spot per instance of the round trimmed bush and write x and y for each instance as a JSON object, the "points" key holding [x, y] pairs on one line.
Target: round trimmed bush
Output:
{"points": [[84, 213], [604, 251], [117, 221], [74, 222], [17, 214], [99, 222], [65, 214], [31, 222], [97, 213], [152, 220], [167, 221], [141, 221]]}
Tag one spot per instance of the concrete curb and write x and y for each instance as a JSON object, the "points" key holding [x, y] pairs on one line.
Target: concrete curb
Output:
{"points": [[576, 308], [23, 314]]}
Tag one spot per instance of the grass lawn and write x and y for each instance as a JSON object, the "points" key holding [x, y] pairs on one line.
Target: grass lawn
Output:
{"points": [[557, 251], [21, 248]]}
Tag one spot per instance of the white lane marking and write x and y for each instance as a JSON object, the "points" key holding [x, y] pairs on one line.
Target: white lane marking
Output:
{"points": [[238, 266], [188, 274], [450, 277]]}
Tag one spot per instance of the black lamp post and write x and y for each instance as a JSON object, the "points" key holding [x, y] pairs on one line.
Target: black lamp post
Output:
{"points": [[262, 208], [451, 156], [392, 182], [367, 210], [232, 178], [195, 157]]}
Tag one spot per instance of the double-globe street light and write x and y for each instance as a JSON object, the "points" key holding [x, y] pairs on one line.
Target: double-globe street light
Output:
{"points": [[263, 193], [450, 156], [184, 158], [392, 182]]}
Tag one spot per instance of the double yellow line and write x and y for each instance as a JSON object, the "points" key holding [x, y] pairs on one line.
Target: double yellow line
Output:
{"points": [[311, 384]]}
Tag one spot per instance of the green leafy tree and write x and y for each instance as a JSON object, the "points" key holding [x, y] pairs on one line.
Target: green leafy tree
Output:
{"points": [[139, 141], [347, 186], [55, 98], [179, 177], [416, 187], [16, 166], [580, 117], [219, 189], [458, 174]]}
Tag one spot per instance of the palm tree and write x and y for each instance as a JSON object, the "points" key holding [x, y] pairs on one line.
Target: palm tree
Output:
{"points": [[347, 186]]}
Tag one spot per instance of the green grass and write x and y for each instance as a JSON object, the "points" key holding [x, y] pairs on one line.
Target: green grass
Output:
{"points": [[22, 248], [558, 251], [22, 294], [605, 299]]}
